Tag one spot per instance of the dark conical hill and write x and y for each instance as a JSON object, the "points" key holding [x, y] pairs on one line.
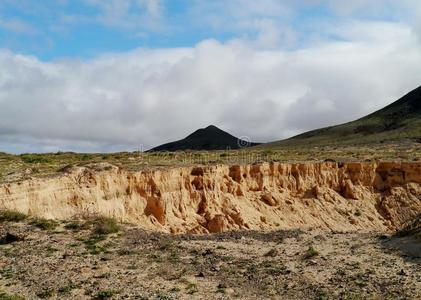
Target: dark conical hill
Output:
{"points": [[209, 138]]}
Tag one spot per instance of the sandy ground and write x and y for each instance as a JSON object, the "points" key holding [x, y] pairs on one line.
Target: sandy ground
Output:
{"points": [[134, 264]]}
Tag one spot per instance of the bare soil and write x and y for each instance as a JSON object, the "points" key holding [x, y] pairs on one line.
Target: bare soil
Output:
{"points": [[73, 262]]}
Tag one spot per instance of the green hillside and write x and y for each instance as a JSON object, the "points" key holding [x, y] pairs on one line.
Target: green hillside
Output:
{"points": [[399, 121]]}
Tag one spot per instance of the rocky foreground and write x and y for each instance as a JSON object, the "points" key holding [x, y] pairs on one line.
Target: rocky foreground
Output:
{"points": [[41, 259]]}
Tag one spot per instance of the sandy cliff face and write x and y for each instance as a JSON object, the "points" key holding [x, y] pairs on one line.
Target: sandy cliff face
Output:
{"points": [[333, 196]]}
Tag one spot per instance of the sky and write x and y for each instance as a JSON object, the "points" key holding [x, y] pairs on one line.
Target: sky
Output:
{"points": [[124, 75]]}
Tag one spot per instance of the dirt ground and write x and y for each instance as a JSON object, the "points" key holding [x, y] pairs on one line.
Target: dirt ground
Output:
{"points": [[73, 262]]}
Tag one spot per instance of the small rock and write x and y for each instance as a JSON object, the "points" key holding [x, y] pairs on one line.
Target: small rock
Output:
{"points": [[201, 275], [222, 286], [215, 269], [10, 238], [272, 253], [207, 252]]}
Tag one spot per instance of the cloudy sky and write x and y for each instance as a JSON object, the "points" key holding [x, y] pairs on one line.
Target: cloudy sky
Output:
{"points": [[111, 75]]}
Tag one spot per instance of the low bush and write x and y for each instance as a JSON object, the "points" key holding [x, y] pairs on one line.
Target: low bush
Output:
{"points": [[34, 158], [11, 216], [77, 225], [44, 224], [311, 252], [104, 225], [6, 296], [107, 294]]}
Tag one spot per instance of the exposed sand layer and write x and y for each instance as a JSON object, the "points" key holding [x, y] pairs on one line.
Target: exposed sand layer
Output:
{"points": [[330, 196]]}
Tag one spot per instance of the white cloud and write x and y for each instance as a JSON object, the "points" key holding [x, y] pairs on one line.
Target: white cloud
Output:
{"points": [[129, 14], [239, 9], [153, 7], [258, 21], [17, 26], [119, 101]]}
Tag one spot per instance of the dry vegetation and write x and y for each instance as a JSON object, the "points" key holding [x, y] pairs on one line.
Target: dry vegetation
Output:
{"points": [[18, 167], [100, 259]]}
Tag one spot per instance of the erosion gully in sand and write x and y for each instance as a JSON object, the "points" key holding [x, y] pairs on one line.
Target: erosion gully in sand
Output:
{"points": [[266, 230], [203, 199]]}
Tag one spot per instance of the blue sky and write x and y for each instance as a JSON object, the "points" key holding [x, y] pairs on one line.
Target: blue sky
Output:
{"points": [[111, 75], [54, 29], [61, 29]]}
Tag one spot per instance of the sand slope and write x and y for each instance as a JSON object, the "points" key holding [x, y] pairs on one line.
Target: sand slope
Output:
{"points": [[333, 196]]}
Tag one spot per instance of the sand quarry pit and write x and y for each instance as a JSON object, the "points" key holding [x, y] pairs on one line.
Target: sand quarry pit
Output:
{"points": [[262, 231]]}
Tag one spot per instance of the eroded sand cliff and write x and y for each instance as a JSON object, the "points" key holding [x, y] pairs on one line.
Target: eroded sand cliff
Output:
{"points": [[333, 196]]}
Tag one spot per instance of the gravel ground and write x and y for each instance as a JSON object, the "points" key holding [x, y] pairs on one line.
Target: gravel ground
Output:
{"points": [[76, 261]]}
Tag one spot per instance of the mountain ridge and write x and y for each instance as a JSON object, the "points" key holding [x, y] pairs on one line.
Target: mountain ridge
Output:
{"points": [[208, 138], [400, 120]]}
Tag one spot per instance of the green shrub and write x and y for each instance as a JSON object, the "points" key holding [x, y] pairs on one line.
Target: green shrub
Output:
{"points": [[44, 224], [67, 288], [34, 158], [85, 157], [102, 295], [77, 225], [11, 216], [269, 152], [92, 245], [311, 252], [45, 294], [6, 296], [106, 225]]}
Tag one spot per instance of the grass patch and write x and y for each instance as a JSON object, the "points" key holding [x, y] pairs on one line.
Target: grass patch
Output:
{"points": [[311, 252], [104, 226], [124, 252], [106, 294], [174, 257], [86, 157], [51, 249], [12, 216], [67, 288], [92, 244], [221, 288], [15, 167], [321, 295], [44, 224], [162, 297], [35, 158], [192, 288], [7, 296], [45, 294], [76, 225], [7, 273]]}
